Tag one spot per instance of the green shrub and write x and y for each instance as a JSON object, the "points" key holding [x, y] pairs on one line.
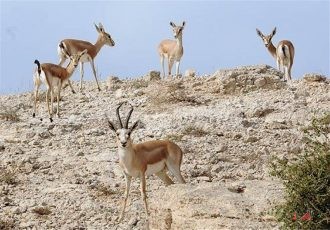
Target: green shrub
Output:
{"points": [[307, 180]]}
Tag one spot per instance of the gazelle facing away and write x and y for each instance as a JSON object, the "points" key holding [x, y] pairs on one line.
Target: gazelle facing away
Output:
{"points": [[283, 53], [53, 76], [73, 46], [172, 50], [146, 158]]}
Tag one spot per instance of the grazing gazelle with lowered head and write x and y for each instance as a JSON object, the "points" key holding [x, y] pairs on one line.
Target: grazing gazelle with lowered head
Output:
{"points": [[146, 158], [283, 53], [53, 76], [73, 46], [172, 50]]}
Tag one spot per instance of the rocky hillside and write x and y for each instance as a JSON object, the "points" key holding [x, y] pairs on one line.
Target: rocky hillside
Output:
{"points": [[65, 174]]}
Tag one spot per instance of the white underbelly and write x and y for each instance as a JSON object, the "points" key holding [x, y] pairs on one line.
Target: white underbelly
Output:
{"points": [[154, 168]]}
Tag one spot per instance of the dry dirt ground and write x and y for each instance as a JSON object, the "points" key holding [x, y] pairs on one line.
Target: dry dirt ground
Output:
{"points": [[65, 174]]}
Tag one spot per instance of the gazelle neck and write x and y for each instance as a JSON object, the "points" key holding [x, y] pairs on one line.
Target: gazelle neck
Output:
{"points": [[70, 68], [179, 40], [98, 45], [271, 48]]}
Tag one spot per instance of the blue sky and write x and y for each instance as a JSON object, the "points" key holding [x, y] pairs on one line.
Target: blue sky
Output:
{"points": [[218, 34]]}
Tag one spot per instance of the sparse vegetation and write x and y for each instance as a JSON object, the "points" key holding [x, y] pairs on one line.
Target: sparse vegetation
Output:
{"points": [[8, 176], [9, 113], [42, 211], [307, 181], [7, 224], [174, 137], [103, 190], [194, 131], [139, 83]]}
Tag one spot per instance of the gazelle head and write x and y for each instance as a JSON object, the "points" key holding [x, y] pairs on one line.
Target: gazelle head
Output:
{"points": [[267, 39], [177, 30], [75, 58], [104, 36], [123, 133]]}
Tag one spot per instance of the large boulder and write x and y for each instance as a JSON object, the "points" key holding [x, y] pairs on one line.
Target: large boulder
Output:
{"points": [[215, 206]]}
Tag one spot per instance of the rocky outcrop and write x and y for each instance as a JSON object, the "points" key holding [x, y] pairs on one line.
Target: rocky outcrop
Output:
{"points": [[249, 78]]}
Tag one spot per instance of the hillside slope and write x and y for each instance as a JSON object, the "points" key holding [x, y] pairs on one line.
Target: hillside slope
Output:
{"points": [[64, 175]]}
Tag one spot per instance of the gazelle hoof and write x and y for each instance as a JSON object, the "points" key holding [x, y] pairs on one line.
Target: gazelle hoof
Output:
{"points": [[33, 115], [51, 119], [99, 88]]}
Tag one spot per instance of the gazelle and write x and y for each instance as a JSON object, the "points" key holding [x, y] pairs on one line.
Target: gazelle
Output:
{"points": [[172, 50], [283, 53], [53, 76], [146, 158], [73, 46]]}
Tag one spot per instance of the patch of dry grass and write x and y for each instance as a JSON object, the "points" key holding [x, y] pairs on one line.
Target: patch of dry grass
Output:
{"points": [[102, 191], [42, 211], [7, 224], [9, 113], [194, 131], [8, 176]]}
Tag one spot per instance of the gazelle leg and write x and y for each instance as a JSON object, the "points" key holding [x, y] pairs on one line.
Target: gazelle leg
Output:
{"points": [[175, 170], [143, 192], [94, 72], [162, 64], [170, 64], [164, 177], [72, 90], [47, 101], [36, 92], [81, 74], [177, 68], [58, 99], [128, 180], [289, 72]]}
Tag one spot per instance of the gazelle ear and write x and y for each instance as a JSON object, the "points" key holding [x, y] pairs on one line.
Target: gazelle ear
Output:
{"points": [[274, 31], [259, 33], [135, 125], [183, 23], [97, 28], [101, 27], [172, 24]]}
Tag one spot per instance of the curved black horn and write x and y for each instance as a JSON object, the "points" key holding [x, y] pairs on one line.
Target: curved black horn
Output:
{"points": [[118, 115], [128, 117]]}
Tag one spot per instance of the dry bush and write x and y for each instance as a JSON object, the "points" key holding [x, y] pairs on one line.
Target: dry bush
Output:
{"points": [[138, 83], [102, 190], [8, 176], [42, 211], [7, 224], [194, 131], [307, 181], [9, 113], [171, 93]]}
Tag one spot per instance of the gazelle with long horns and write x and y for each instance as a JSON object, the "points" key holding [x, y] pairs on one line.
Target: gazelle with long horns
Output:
{"points": [[172, 49], [73, 46], [283, 53], [146, 158], [54, 76]]}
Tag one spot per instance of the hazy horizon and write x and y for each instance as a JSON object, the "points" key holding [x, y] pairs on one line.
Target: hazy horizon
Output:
{"points": [[217, 35]]}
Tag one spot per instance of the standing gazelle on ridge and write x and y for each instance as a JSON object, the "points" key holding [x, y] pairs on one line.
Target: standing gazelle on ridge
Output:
{"points": [[283, 53], [146, 158], [73, 46], [172, 50], [53, 76]]}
